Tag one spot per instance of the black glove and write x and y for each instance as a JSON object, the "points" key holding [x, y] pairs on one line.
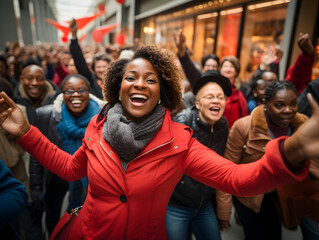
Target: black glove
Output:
{"points": [[36, 211]]}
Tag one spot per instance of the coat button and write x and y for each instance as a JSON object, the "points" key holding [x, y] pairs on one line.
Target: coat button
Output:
{"points": [[123, 198]]}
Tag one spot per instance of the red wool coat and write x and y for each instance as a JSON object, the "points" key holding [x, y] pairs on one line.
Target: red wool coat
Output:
{"points": [[132, 204]]}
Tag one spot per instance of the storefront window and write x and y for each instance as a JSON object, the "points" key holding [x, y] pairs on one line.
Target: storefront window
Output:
{"points": [[229, 26], [148, 31], [205, 35], [263, 31], [164, 33]]}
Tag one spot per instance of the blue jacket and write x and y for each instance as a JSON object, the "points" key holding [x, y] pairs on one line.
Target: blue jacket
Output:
{"points": [[13, 196]]}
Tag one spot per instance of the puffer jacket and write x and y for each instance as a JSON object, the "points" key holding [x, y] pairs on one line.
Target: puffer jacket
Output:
{"points": [[246, 143], [47, 119], [133, 204], [189, 192]]}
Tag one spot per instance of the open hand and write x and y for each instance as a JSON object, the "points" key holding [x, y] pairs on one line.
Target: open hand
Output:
{"points": [[12, 119], [304, 143], [268, 58]]}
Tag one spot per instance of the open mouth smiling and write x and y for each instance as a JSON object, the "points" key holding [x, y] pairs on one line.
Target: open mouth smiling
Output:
{"points": [[76, 102], [214, 109], [138, 99]]}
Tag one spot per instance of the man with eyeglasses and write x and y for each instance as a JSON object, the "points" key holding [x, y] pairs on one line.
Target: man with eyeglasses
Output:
{"points": [[191, 204]]}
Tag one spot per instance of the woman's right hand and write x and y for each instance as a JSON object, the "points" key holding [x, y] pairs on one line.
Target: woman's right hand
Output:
{"points": [[12, 119], [303, 144]]}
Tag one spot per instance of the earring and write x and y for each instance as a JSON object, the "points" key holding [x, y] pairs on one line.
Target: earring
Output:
{"points": [[159, 101], [120, 98], [265, 109]]}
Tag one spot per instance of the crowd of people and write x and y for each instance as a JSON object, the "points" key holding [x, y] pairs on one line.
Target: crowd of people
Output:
{"points": [[148, 158]]}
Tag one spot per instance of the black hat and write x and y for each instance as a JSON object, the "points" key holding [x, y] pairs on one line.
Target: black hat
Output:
{"points": [[214, 76]]}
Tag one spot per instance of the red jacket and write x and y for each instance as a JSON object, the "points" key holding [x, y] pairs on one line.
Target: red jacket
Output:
{"points": [[132, 204], [300, 73], [236, 107]]}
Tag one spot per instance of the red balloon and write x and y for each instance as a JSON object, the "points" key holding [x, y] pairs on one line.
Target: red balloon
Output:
{"points": [[64, 39], [121, 1], [97, 36], [120, 39]]}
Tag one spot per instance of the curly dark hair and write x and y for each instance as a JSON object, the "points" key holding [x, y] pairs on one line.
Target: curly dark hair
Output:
{"points": [[163, 62]]}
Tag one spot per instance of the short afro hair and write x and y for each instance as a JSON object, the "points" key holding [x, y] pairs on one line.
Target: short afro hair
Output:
{"points": [[163, 62]]}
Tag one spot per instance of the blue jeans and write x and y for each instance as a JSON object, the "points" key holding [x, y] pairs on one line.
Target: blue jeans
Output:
{"points": [[202, 222], [309, 228]]}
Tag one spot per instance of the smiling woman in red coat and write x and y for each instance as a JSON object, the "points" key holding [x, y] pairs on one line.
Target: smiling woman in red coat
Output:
{"points": [[134, 154]]}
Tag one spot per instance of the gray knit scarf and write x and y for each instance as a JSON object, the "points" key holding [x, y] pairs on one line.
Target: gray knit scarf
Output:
{"points": [[127, 137]]}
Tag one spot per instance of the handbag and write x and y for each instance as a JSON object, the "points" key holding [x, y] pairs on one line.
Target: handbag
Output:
{"points": [[63, 229], [297, 201]]}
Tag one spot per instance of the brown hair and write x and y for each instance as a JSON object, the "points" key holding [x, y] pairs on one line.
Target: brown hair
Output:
{"points": [[234, 61]]}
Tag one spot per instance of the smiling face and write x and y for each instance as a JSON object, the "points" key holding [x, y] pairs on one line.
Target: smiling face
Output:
{"points": [[282, 107], [228, 70], [140, 89], [76, 96], [100, 67], [211, 103], [33, 80]]}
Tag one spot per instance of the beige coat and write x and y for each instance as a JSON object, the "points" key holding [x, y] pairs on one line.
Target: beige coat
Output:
{"points": [[246, 143], [14, 157]]}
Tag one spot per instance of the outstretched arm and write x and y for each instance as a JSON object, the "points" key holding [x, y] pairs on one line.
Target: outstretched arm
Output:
{"points": [[300, 72], [64, 165]]}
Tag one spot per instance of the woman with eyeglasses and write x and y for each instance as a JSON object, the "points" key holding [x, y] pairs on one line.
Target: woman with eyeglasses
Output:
{"points": [[64, 123], [190, 208], [134, 154]]}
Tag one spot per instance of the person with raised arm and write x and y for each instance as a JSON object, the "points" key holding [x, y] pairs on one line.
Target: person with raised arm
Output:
{"points": [[134, 154]]}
